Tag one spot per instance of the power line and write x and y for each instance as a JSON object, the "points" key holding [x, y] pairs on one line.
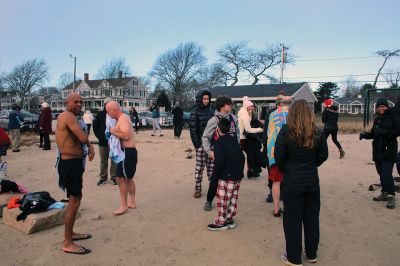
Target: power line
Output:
{"points": [[358, 81], [335, 59], [339, 76]]}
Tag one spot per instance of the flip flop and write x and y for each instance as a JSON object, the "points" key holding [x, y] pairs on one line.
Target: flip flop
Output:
{"points": [[81, 237], [79, 251]]}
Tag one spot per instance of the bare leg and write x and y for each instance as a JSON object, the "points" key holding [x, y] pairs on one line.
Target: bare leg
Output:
{"points": [[276, 191], [70, 215], [123, 191], [131, 194]]}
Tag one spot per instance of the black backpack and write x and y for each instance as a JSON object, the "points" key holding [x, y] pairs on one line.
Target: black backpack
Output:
{"points": [[34, 202]]}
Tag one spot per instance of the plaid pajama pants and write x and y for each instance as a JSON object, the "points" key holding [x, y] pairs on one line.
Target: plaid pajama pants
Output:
{"points": [[227, 196], [202, 161]]}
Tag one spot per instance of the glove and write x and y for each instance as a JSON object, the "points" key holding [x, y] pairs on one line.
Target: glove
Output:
{"points": [[379, 131], [362, 135]]}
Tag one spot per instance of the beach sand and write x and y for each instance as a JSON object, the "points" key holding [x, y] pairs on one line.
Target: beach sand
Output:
{"points": [[169, 226]]}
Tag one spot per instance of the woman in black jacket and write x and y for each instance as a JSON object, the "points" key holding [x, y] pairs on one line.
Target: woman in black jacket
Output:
{"points": [[384, 133], [330, 118], [299, 149]]}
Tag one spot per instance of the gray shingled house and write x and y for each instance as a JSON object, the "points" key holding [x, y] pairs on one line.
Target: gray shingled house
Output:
{"points": [[263, 95], [354, 105]]}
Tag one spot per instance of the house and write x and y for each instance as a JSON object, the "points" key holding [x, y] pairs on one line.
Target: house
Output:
{"points": [[263, 96], [354, 105], [127, 91], [7, 100]]}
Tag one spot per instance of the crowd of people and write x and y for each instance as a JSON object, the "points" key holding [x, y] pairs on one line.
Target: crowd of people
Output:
{"points": [[286, 141]]}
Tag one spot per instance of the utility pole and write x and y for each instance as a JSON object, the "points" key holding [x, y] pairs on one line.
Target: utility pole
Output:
{"points": [[73, 85], [283, 58]]}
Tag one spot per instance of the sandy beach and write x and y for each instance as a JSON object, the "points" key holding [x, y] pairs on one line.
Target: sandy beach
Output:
{"points": [[169, 226]]}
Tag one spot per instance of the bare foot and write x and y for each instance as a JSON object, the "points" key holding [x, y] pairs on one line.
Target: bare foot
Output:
{"points": [[120, 211], [132, 206], [70, 247]]}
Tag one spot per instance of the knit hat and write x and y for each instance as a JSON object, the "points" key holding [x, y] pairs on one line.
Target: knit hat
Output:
{"points": [[382, 101], [246, 102], [224, 125], [107, 100], [45, 105], [328, 103]]}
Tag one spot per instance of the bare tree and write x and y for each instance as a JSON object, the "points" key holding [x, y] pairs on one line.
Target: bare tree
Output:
{"points": [[177, 68], [386, 54], [2, 82], [110, 69], [47, 90], [65, 79], [215, 76], [392, 77], [351, 87], [257, 62], [232, 58], [23, 78]]}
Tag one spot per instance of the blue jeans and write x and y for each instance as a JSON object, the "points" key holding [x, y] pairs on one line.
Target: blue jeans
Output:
{"points": [[385, 170]]}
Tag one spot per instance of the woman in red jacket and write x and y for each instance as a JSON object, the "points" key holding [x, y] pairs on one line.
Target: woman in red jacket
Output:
{"points": [[4, 143], [45, 125]]}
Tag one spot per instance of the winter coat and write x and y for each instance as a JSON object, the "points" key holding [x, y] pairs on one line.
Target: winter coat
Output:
{"points": [[4, 139], [45, 120], [199, 117], [99, 128], [330, 119], [384, 132], [244, 123], [15, 119], [299, 164], [177, 112], [155, 112]]}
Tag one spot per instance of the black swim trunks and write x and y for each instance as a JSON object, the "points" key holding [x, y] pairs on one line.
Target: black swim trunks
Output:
{"points": [[127, 168], [70, 172]]}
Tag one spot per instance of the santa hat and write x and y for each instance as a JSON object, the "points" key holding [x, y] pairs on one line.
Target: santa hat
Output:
{"points": [[328, 103], [246, 102]]}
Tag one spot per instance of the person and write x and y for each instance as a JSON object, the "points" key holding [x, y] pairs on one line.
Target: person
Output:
{"points": [[199, 117], [223, 105], [126, 169], [133, 114], [15, 120], [4, 143], [277, 119], [330, 118], [41, 140], [177, 113], [300, 149], [99, 128], [88, 119], [384, 132], [70, 138], [155, 114], [245, 116], [278, 102], [45, 125], [228, 172]]}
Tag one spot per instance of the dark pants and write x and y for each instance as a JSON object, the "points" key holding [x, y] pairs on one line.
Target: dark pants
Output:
{"points": [[252, 148], [136, 126], [302, 205], [398, 164], [46, 140], [178, 128], [334, 138], [385, 170], [212, 189], [88, 128], [40, 139]]}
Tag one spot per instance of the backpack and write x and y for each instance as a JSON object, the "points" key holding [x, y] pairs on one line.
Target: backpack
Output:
{"points": [[34, 202]]}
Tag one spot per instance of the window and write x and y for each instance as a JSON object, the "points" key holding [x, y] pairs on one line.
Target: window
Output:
{"points": [[136, 104]]}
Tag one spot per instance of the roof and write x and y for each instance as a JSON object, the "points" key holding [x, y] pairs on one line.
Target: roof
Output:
{"points": [[349, 100], [94, 83], [262, 90]]}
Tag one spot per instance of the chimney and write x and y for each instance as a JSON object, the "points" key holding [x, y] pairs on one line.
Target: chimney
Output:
{"points": [[120, 74], [86, 76]]}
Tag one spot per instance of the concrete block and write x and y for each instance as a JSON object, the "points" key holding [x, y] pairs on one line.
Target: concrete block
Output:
{"points": [[34, 222], [5, 198]]}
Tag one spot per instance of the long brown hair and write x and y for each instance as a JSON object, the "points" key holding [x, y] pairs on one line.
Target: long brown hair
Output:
{"points": [[301, 124]]}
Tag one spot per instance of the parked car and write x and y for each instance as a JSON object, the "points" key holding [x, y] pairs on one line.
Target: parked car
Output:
{"points": [[29, 124], [146, 119]]}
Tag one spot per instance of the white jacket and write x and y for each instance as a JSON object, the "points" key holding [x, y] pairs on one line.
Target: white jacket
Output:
{"points": [[244, 123], [88, 118]]}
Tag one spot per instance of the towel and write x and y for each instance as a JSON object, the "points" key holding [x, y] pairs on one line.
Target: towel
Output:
{"points": [[116, 154]]}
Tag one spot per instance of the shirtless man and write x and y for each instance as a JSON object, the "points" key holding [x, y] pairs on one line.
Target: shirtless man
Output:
{"points": [[127, 168], [70, 137]]}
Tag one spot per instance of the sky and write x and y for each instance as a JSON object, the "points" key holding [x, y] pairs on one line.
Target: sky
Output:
{"points": [[96, 30]]}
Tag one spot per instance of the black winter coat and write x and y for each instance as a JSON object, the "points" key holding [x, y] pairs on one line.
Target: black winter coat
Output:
{"points": [[99, 127], [299, 164], [199, 117], [177, 112], [330, 119], [384, 133]]}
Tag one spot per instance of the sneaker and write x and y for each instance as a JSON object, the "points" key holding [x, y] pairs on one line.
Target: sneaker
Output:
{"points": [[114, 182], [197, 194], [285, 260], [382, 197], [216, 227], [208, 206], [391, 204], [269, 198], [161, 135], [101, 182], [251, 174], [231, 224], [18, 150], [342, 153], [315, 260], [152, 135]]}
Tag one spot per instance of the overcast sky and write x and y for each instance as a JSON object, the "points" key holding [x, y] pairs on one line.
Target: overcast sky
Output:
{"points": [[95, 31]]}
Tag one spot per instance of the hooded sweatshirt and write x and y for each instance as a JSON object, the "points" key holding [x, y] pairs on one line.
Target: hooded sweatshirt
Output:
{"points": [[244, 123]]}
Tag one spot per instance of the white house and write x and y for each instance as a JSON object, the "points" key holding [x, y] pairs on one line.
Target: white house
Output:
{"points": [[354, 105]]}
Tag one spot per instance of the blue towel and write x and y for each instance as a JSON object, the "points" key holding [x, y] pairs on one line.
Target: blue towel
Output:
{"points": [[56, 205], [116, 154]]}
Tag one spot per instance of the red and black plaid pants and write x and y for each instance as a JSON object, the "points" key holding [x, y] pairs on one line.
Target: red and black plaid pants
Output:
{"points": [[202, 160], [227, 196]]}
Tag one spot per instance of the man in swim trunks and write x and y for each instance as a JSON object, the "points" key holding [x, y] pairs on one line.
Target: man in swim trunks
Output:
{"points": [[127, 168], [70, 137]]}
